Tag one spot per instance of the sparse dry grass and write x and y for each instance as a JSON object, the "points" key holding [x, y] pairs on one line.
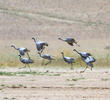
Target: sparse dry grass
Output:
{"points": [[41, 84], [9, 56]]}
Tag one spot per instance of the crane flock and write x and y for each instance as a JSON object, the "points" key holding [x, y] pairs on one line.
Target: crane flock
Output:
{"points": [[87, 58]]}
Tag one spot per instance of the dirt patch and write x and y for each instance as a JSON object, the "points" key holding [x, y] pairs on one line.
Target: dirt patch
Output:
{"points": [[68, 85]]}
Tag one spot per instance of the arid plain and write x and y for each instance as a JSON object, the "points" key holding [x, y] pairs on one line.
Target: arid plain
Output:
{"points": [[88, 21]]}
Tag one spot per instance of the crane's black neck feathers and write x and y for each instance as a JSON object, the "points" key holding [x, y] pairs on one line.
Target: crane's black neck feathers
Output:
{"points": [[34, 39], [14, 47], [61, 39]]}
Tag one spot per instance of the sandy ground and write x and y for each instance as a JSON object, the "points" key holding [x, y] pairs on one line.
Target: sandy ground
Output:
{"points": [[56, 84]]}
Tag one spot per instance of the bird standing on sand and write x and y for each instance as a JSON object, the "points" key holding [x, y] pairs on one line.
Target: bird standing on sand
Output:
{"points": [[87, 58], [40, 45], [68, 60], [46, 56], [70, 41], [26, 61]]}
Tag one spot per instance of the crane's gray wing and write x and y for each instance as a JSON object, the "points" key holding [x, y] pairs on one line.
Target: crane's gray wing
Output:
{"points": [[90, 64], [21, 52], [89, 59], [70, 40], [70, 44], [39, 47]]}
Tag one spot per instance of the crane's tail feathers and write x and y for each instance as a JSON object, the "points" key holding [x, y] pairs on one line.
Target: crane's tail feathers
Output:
{"points": [[46, 44], [28, 50], [31, 61]]}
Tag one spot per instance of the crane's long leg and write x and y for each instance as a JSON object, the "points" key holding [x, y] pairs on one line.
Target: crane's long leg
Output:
{"points": [[48, 62], [29, 67], [78, 45], [84, 69], [71, 66], [28, 55], [42, 49], [80, 64], [91, 68], [43, 62], [23, 67]]}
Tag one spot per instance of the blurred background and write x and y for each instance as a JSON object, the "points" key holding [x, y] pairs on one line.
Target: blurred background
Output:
{"points": [[88, 21]]}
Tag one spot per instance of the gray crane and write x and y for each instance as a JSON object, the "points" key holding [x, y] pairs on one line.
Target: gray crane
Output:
{"points": [[46, 56], [40, 45], [70, 41], [26, 61], [68, 60], [83, 54], [22, 50], [88, 59]]}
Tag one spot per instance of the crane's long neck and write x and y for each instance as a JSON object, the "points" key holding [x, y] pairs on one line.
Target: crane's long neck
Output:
{"points": [[34, 40], [15, 48], [77, 51], [61, 39], [40, 55], [63, 55], [77, 44], [20, 58]]}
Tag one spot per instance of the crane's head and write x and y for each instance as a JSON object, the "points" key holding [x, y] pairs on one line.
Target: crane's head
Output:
{"points": [[19, 55], [59, 38], [12, 45], [46, 44], [33, 38], [62, 53]]}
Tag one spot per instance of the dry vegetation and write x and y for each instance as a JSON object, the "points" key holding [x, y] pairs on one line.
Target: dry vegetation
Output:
{"points": [[87, 21]]}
